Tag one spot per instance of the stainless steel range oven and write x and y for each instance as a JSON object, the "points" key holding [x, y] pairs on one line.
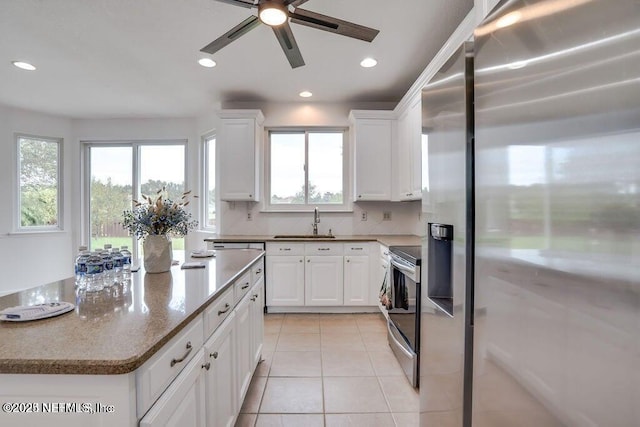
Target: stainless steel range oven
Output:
{"points": [[404, 308]]}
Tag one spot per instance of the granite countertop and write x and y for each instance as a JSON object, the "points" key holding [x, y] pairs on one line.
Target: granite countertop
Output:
{"points": [[114, 331], [385, 239]]}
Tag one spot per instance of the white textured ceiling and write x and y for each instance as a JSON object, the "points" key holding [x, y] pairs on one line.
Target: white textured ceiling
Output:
{"points": [[137, 58]]}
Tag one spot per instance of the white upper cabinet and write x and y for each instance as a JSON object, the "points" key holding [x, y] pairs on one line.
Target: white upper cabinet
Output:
{"points": [[407, 153], [238, 141], [372, 134]]}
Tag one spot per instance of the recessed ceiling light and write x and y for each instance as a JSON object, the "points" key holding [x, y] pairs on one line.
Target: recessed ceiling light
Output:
{"points": [[305, 94], [368, 63], [207, 62], [24, 65]]}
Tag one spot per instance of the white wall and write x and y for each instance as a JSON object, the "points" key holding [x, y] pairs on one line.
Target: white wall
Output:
{"points": [[28, 260]]}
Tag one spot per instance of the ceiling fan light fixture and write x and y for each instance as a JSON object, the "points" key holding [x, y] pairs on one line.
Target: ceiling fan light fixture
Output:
{"points": [[272, 13], [368, 63]]}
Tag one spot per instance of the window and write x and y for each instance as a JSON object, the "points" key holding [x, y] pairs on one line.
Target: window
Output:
{"points": [[40, 178], [209, 181], [119, 172], [306, 168]]}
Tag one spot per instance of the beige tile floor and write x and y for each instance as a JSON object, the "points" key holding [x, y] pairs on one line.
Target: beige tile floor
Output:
{"points": [[328, 370]]}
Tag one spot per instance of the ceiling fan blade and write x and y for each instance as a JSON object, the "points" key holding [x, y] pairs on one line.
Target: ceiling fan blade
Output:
{"points": [[242, 3], [294, 3], [333, 25], [288, 43], [241, 29]]}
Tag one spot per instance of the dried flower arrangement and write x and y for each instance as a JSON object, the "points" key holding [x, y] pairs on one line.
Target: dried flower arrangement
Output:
{"points": [[159, 216]]}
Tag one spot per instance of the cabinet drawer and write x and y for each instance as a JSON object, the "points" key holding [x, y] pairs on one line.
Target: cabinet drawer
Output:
{"points": [[241, 286], [155, 375], [257, 271], [323, 249], [218, 311], [285, 248], [356, 249]]}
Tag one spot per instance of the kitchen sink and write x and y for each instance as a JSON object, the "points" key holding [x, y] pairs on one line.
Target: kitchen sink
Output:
{"points": [[305, 236]]}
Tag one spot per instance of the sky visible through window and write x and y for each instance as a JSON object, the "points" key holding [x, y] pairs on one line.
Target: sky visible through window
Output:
{"points": [[325, 150], [158, 161]]}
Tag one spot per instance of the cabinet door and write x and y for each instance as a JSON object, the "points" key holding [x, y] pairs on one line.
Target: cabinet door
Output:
{"points": [[415, 138], [357, 283], [372, 159], [221, 376], [324, 280], [285, 280], [244, 358], [408, 154], [237, 159], [257, 321], [183, 403]]}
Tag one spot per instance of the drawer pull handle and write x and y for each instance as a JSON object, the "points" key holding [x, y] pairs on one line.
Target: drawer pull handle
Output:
{"points": [[214, 354], [189, 348], [226, 308], [246, 285], [324, 249], [253, 299], [207, 366], [357, 249], [285, 249], [259, 271]]}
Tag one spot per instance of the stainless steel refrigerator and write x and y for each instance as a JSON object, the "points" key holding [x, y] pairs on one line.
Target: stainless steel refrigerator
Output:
{"points": [[546, 291]]}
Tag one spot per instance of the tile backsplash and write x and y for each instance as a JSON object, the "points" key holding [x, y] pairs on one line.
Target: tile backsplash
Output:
{"points": [[381, 218]]}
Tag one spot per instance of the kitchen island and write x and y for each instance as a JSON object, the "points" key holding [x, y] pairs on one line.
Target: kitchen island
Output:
{"points": [[109, 353]]}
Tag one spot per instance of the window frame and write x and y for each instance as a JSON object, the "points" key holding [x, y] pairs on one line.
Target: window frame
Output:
{"points": [[206, 138], [18, 227], [345, 206], [87, 144]]}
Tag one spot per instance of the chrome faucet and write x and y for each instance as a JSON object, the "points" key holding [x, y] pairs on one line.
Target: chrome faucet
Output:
{"points": [[316, 220]]}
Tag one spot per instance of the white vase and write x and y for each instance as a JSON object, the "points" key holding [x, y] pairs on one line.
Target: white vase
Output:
{"points": [[158, 253]]}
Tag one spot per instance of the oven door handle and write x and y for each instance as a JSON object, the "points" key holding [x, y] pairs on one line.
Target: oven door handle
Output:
{"points": [[402, 265], [399, 345]]}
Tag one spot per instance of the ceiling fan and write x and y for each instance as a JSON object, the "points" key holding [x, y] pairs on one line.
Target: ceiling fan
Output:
{"points": [[276, 13]]}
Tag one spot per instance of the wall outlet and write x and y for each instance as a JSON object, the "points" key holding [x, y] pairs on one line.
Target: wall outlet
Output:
{"points": [[386, 216], [363, 216], [249, 216]]}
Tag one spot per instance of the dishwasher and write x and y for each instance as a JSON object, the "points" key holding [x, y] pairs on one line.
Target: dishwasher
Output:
{"points": [[235, 245]]}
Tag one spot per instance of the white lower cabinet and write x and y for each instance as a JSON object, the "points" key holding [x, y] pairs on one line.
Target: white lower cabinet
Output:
{"points": [[257, 320], [244, 357], [220, 355], [183, 403], [285, 275], [210, 389], [320, 274], [323, 280], [357, 283]]}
